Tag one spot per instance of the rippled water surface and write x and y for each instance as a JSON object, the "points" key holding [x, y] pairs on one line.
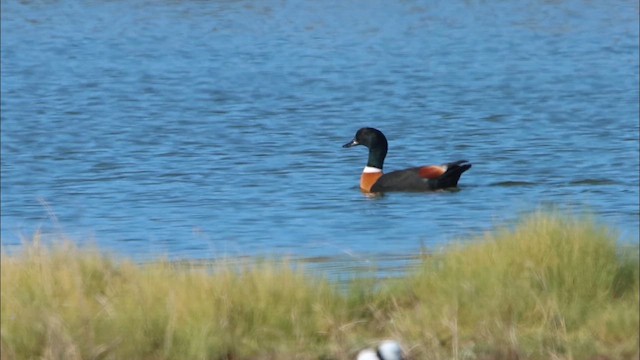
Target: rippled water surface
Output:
{"points": [[200, 129]]}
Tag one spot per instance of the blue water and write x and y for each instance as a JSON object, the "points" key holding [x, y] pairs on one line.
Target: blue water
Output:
{"points": [[206, 129]]}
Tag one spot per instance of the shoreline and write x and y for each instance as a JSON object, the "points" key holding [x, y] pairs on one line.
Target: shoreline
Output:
{"points": [[552, 286]]}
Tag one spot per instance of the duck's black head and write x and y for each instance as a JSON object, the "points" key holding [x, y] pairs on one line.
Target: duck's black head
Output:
{"points": [[373, 139]]}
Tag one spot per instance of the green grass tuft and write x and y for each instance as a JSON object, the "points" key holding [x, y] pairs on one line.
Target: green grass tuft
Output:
{"points": [[551, 288], [554, 287]]}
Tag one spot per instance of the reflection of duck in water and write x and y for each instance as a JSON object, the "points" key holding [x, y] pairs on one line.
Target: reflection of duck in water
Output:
{"points": [[422, 178]]}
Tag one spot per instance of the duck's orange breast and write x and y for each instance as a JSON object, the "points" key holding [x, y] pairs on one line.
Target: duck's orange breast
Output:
{"points": [[368, 179]]}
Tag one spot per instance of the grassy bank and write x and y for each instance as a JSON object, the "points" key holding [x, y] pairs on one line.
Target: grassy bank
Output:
{"points": [[552, 288]]}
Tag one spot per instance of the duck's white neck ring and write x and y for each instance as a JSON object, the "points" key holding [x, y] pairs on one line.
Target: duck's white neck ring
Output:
{"points": [[371, 169]]}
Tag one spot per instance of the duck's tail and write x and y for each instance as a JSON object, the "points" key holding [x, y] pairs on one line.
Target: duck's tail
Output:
{"points": [[452, 175]]}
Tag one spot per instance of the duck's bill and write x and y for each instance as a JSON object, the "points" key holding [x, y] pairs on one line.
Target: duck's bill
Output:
{"points": [[351, 143]]}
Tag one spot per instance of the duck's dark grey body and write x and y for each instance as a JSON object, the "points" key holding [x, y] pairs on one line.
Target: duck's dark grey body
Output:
{"points": [[410, 179]]}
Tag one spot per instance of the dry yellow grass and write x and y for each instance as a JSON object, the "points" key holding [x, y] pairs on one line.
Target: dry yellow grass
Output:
{"points": [[552, 288], [555, 287]]}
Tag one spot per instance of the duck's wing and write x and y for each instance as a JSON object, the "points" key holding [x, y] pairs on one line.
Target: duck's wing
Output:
{"points": [[422, 178], [402, 180], [432, 171]]}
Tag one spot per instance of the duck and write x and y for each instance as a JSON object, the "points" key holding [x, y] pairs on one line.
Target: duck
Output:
{"points": [[387, 350], [415, 179]]}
